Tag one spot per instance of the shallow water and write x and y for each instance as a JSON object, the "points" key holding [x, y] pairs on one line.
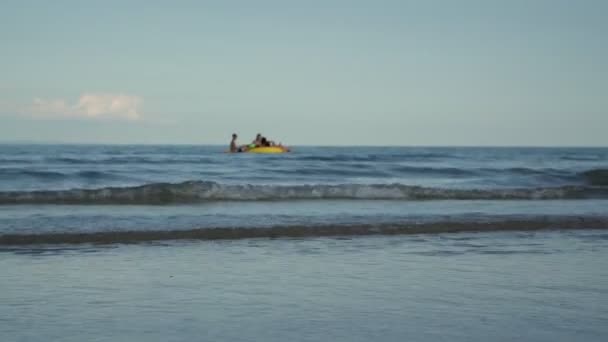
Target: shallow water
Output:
{"points": [[501, 286]]}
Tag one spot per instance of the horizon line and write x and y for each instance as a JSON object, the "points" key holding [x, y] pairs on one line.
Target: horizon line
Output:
{"points": [[25, 142]]}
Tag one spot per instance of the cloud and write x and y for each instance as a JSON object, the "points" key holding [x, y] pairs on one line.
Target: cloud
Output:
{"points": [[90, 106]]}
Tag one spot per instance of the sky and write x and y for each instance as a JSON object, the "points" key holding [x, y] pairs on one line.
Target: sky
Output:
{"points": [[486, 72]]}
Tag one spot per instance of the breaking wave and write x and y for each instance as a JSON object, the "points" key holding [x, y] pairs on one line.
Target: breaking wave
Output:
{"points": [[201, 191]]}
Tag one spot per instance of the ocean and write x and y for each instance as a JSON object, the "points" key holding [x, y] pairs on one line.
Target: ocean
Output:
{"points": [[120, 242]]}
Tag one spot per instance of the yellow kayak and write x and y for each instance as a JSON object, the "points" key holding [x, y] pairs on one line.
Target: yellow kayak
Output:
{"points": [[268, 149]]}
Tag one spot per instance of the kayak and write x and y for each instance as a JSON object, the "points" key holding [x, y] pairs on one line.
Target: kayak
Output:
{"points": [[268, 149]]}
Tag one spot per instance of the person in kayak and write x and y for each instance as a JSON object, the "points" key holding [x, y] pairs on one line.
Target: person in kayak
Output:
{"points": [[234, 147]]}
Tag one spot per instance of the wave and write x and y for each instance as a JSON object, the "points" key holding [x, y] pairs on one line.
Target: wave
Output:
{"points": [[129, 160], [548, 173], [592, 176], [372, 157], [597, 177], [200, 191], [491, 225], [12, 173], [438, 171], [107, 160], [581, 158]]}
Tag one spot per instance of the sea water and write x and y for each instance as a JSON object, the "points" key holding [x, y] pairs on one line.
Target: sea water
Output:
{"points": [[112, 188], [182, 243]]}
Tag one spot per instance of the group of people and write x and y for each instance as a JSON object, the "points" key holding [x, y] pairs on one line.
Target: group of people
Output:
{"points": [[259, 141]]}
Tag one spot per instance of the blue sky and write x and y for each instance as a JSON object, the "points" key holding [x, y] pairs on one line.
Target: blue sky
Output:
{"points": [[305, 72]]}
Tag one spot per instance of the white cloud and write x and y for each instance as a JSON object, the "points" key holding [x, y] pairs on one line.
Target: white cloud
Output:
{"points": [[92, 105]]}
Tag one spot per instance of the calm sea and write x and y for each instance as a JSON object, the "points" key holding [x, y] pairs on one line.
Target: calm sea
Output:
{"points": [[186, 243]]}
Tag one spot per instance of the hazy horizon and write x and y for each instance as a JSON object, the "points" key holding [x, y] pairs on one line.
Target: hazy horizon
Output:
{"points": [[219, 144], [323, 73]]}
